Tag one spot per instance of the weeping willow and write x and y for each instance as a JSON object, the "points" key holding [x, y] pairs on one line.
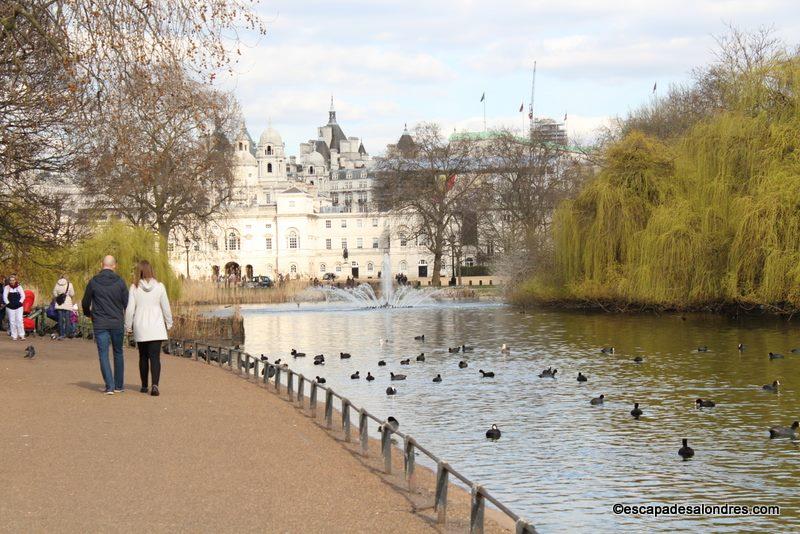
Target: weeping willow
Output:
{"points": [[711, 217]]}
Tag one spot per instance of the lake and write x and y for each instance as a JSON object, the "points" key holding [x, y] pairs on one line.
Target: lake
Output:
{"points": [[561, 463]]}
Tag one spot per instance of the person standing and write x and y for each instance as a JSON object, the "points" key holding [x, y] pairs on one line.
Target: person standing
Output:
{"points": [[63, 293], [104, 302], [13, 297], [149, 316]]}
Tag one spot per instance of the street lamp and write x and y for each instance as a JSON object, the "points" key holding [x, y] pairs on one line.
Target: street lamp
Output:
{"points": [[187, 244]]}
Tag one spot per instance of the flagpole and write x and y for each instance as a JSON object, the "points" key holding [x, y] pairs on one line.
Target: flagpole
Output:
{"points": [[484, 112]]}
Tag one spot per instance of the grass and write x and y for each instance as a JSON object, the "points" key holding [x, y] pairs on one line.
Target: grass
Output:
{"points": [[195, 293]]}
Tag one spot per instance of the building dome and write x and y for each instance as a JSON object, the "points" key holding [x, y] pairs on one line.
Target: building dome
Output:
{"points": [[317, 159], [270, 137]]}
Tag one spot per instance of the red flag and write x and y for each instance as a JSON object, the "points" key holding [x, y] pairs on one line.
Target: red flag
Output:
{"points": [[451, 181], [521, 107]]}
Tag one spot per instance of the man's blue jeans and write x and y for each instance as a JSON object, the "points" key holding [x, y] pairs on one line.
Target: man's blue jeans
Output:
{"points": [[63, 322], [113, 336]]}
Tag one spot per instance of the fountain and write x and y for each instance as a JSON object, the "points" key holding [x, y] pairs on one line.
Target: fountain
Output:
{"points": [[364, 296]]}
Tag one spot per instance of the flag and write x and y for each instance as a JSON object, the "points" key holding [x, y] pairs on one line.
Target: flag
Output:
{"points": [[521, 107], [530, 116], [654, 87], [483, 97], [451, 181], [565, 117]]}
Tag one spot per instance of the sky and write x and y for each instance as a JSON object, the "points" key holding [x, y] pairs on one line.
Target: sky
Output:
{"points": [[389, 63]]}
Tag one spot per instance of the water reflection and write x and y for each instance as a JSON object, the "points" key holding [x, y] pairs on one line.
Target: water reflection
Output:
{"points": [[561, 462]]}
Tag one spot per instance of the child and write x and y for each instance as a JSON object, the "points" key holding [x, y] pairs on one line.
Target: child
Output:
{"points": [[13, 297]]}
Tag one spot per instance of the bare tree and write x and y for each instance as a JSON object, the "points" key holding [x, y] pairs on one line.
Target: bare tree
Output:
{"points": [[426, 185], [163, 158]]}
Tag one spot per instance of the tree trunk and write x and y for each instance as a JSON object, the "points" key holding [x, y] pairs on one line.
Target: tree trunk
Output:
{"points": [[437, 266]]}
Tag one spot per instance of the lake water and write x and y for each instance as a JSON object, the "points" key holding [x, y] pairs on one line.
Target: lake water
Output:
{"points": [[561, 463]]}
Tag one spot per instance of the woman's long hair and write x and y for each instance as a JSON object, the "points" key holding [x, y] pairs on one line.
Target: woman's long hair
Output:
{"points": [[143, 271]]}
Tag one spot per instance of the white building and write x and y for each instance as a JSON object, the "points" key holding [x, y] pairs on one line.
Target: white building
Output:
{"points": [[297, 215]]}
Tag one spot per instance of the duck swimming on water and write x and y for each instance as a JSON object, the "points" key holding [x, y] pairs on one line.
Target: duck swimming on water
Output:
{"points": [[381, 363], [597, 400], [391, 391], [582, 377], [437, 378], [493, 433], [686, 451], [419, 338], [355, 376], [454, 350], [320, 380], [462, 364], [771, 387], [344, 355], [636, 412], [700, 403], [397, 377], [607, 350], [421, 357], [773, 356], [784, 431], [465, 348], [504, 349], [370, 377], [407, 361], [296, 354], [486, 374]]}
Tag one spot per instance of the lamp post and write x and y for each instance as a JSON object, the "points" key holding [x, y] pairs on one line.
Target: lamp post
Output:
{"points": [[187, 244]]}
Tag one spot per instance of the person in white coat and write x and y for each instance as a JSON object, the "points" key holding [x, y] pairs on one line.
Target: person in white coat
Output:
{"points": [[148, 316], [13, 298], [64, 291]]}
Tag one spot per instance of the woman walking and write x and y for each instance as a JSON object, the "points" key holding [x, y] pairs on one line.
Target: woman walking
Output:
{"points": [[63, 293], [149, 316], [13, 297]]}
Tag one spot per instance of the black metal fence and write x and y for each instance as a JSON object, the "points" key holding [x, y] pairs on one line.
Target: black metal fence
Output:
{"points": [[295, 384]]}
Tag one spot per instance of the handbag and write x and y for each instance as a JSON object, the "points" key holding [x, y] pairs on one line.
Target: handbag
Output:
{"points": [[60, 299]]}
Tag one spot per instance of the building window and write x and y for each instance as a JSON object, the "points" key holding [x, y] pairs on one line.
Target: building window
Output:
{"points": [[359, 223], [322, 268], [311, 170], [327, 223], [370, 267], [374, 242], [269, 167], [269, 150], [248, 228], [293, 240], [233, 242], [423, 262], [344, 243], [293, 268], [170, 247], [360, 243], [374, 223], [328, 244], [196, 246], [268, 199], [403, 242], [241, 146], [268, 242], [403, 266], [214, 243], [344, 223], [338, 267], [269, 226], [291, 203]]}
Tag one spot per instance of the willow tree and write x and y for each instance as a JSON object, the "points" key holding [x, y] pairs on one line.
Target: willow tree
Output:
{"points": [[428, 185]]}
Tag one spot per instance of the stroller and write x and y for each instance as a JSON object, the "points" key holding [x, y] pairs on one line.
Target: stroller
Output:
{"points": [[32, 320]]}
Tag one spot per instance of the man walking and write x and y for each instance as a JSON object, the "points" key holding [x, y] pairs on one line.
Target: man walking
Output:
{"points": [[104, 302]]}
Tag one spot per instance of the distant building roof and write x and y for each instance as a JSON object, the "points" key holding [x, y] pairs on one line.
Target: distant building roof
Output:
{"points": [[406, 142], [294, 191]]}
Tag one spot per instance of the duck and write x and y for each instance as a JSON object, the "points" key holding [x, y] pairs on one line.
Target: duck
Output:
{"points": [[795, 350], [320, 357], [771, 387], [493, 433], [607, 350], [421, 357], [278, 361], [355, 376], [686, 451], [454, 350], [391, 423], [784, 431], [419, 338], [462, 364], [264, 358], [582, 377], [504, 349], [636, 412], [597, 400], [370, 377], [700, 403], [344, 355], [320, 380], [741, 347], [548, 373], [270, 372], [30, 352], [397, 377], [638, 359], [486, 374], [385, 341], [465, 348], [702, 349], [319, 362], [773, 356], [296, 354], [381, 363], [391, 391], [407, 361], [437, 378]]}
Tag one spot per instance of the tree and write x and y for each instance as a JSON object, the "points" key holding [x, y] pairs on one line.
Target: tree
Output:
{"points": [[162, 158], [426, 185]]}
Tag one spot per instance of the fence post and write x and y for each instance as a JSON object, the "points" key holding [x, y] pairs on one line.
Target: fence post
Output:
{"points": [[328, 408], [230, 358], [312, 401], [386, 447], [346, 419], [300, 386], [362, 431], [194, 346], [277, 379], [290, 383], [409, 460], [440, 503], [256, 364], [238, 362], [219, 357], [476, 511], [208, 354]]}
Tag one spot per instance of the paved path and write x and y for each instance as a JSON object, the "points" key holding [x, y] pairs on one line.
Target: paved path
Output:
{"points": [[212, 453]]}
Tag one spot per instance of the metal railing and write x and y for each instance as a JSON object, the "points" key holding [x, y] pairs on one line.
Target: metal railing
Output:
{"points": [[264, 372]]}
